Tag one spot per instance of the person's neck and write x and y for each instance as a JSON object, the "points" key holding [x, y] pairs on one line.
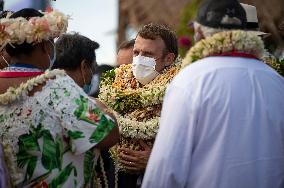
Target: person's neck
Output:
{"points": [[76, 76], [27, 61]]}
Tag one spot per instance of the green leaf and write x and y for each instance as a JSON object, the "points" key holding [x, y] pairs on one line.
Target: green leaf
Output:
{"points": [[28, 146], [23, 158], [66, 92], [62, 176], [108, 76], [28, 142], [88, 167], [59, 152], [103, 129], [2, 118], [97, 111], [26, 159], [31, 168], [82, 107], [75, 135], [51, 154]]}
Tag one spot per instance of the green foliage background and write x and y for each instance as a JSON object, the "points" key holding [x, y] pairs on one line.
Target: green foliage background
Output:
{"points": [[188, 14]]}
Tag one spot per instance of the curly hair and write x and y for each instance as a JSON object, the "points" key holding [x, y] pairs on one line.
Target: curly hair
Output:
{"points": [[72, 49], [152, 31]]}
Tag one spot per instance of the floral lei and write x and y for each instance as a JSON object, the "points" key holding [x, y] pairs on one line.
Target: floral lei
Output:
{"points": [[34, 30], [136, 107], [13, 94], [228, 41]]}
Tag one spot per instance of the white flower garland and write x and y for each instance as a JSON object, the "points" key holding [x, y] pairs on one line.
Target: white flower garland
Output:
{"points": [[125, 94], [227, 41], [36, 29], [16, 175], [136, 129], [136, 107], [123, 99], [13, 94]]}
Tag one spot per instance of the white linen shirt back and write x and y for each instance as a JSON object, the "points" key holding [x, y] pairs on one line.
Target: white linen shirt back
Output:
{"points": [[222, 126]]}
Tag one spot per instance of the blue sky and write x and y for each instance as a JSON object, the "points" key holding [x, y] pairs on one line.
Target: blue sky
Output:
{"points": [[96, 19]]}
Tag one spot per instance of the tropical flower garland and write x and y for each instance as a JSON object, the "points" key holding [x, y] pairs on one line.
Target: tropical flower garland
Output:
{"points": [[16, 176], [228, 41], [34, 30], [122, 92], [13, 94], [136, 107], [275, 63], [134, 104]]}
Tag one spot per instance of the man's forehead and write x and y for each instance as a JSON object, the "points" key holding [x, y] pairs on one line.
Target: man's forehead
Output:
{"points": [[142, 43]]}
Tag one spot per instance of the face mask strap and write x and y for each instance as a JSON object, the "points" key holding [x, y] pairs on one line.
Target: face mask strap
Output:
{"points": [[83, 78], [6, 62], [54, 56]]}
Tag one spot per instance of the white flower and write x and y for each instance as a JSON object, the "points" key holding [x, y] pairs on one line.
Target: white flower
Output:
{"points": [[13, 94], [241, 41], [36, 29]]}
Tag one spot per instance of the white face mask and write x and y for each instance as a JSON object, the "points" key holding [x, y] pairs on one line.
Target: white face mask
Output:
{"points": [[144, 69]]}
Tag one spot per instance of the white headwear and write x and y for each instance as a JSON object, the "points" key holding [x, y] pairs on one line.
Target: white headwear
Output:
{"points": [[252, 19]]}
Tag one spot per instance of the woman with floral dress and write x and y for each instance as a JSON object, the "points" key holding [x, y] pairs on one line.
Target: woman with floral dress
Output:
{"points": [[50, 129]]}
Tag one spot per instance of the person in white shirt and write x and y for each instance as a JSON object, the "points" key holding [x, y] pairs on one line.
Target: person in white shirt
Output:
{"points": [[222, 120]]}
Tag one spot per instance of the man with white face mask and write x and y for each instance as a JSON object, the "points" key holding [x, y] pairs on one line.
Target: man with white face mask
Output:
{"points": [[155, 48], [154, 53]]}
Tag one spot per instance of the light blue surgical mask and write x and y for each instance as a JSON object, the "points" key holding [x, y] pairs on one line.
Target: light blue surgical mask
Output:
{"points": [[95, 84], [52, 61], [87, 87]]}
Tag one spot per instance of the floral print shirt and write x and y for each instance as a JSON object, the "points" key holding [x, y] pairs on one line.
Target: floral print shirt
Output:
{"points": [[48, 137]]}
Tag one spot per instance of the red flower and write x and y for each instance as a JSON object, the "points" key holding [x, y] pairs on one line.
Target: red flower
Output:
{"points": [[92, 116], [41, 184], [184, 42]]}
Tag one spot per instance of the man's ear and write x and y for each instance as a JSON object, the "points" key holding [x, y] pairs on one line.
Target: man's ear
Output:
{"points": [[169, 59]]}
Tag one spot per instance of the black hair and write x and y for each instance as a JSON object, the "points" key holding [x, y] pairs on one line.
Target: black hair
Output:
{"points": [[127, 44], [72, 49], [24, 48]]}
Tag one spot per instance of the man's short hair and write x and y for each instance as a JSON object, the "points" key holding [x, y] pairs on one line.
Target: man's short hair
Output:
{"points": [[126, 44], [153, 31], [72, 49]]}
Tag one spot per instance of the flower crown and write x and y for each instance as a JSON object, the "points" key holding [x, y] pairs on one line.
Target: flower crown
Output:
{"points": [[19, 30]]}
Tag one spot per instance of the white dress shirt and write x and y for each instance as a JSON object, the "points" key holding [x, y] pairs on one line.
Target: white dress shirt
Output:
{"points": [[222, 126]]}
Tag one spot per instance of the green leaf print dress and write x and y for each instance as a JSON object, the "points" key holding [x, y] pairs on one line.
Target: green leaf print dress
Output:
{"points": [[52, 136]]}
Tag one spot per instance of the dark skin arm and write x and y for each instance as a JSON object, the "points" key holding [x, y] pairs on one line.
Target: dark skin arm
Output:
{"points": [[135, 161], [113, 137]]}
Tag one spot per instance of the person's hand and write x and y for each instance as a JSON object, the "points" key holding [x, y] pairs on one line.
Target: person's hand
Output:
{"points": [[135, 161]]}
